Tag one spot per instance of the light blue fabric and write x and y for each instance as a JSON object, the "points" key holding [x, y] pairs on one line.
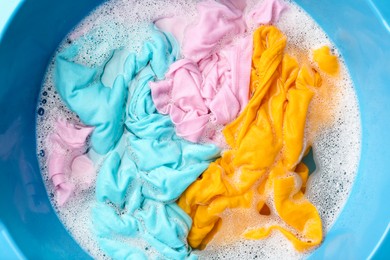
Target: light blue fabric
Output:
{"points": [[148, 166], [96, 104]]}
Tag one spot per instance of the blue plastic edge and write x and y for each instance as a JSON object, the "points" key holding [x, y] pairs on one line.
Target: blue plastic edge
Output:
{"points": [[361, 229], [381, 9], [8, 8], [382, 249], [8, 248]]}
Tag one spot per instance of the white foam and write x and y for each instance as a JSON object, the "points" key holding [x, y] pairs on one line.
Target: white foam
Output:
{"points": [[121, 23]]}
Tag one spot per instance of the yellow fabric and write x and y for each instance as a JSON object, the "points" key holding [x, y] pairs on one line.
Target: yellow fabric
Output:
{"points": [[326, 61], [266, 146]]}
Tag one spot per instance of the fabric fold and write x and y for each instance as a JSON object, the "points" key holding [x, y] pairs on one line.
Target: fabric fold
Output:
{"points": [[326, 61], [209, 87], [147, 165], [147, 113], [68, 167], [79, 85], [266, 145], [215, 22]]}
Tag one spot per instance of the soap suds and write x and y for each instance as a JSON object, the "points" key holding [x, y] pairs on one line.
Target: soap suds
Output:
{"points": [[336, 146]]}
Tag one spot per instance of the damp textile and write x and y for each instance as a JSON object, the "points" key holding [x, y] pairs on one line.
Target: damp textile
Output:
{"points": [[266, 143], [135, 193], [68, 167], [148, 112], [207, 89]]}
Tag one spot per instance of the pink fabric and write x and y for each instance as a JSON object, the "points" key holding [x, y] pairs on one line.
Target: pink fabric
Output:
{"points": [[175, 25], [265, 12], [216, 21], [68, 167], [210, 88], [213, 90]]}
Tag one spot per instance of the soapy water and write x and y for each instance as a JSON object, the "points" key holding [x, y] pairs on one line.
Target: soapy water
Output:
{"points": [[336, 145]]}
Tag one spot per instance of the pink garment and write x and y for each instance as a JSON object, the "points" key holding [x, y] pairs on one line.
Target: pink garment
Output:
{"points": [[265, 12], [69, 168], [213, 90], [209, 88]]}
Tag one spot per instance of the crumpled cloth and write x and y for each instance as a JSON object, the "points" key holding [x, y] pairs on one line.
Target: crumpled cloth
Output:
{"points": [[209, 88], [97, 104], [216, 21], [68, 167], [149, 166], [266, 147], [266, 12], [326, 61]]}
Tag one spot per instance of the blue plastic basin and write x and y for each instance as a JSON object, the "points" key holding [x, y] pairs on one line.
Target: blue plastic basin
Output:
{"points": [[29, 227]]}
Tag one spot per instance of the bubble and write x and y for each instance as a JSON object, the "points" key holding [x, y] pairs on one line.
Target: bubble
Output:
{"points": [[119, 23], [41, 111]]}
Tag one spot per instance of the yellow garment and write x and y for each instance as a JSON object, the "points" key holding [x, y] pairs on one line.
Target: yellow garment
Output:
{"points": [[326, 61], [266, 146]]}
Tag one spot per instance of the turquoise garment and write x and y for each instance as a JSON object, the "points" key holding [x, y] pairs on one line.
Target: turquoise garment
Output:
{"points": [[147, 166], [96, 104], [98, 95]]}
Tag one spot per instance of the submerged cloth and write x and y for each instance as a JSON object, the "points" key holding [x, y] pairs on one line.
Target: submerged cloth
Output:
{"points": [[266, 146], [68, 167], [216, 21], [209, 88], [97, 105], [149, 166], [326, 61], [265, 12]]}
